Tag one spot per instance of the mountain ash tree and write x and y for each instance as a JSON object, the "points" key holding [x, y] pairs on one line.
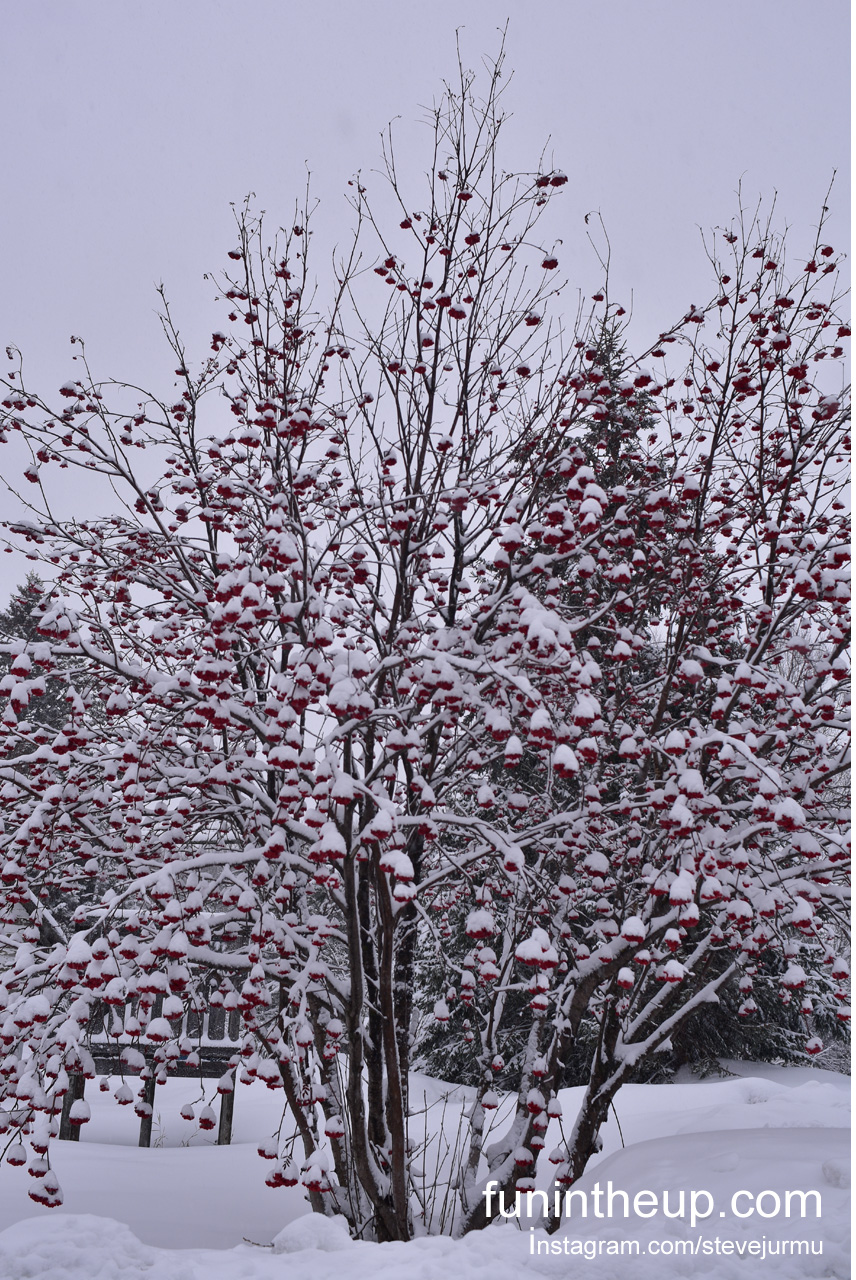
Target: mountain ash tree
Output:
{"points": [[356, 567]]}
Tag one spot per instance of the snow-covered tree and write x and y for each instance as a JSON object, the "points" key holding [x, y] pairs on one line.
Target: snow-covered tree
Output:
{"points": [[428, 650], [18, 624]]}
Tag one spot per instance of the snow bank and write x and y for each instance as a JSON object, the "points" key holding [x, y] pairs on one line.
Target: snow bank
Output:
{"points": [[189, 1208]]}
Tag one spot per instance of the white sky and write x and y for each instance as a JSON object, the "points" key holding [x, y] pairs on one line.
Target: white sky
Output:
{"points": [[128, 127]]}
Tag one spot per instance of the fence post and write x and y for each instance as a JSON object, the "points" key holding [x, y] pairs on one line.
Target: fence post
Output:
{"points": [[227, 1110], [76, 1085], [148, 1100]]}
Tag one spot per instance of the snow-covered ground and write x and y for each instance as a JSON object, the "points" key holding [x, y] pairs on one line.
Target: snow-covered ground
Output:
{"points": [[188, 1206]]}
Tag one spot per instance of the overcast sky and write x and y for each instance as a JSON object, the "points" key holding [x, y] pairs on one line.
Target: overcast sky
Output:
{"points": [[129, 127]]}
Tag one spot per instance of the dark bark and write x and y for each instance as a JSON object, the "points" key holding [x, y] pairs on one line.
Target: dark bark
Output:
{"points": [[364, 1049], [396, 1070]]}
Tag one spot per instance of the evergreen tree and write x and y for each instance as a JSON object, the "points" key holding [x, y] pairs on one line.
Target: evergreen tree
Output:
{"points": [[47, 710]]}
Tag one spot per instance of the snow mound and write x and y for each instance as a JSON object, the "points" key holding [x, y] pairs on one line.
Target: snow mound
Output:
{"points": [[312, 1231], [79, 1247]]}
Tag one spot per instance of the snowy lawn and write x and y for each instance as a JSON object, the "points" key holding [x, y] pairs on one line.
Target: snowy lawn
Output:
{"points": [[188, 1205]]}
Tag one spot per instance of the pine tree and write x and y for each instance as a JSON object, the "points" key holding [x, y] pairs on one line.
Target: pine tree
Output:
{"points": [[19, 623]]}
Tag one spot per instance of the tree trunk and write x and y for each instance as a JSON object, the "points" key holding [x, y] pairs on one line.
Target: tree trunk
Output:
{"points": [[605, 1080]]}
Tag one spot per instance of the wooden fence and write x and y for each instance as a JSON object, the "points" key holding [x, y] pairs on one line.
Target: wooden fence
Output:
{"points": [[214, 1034]]}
